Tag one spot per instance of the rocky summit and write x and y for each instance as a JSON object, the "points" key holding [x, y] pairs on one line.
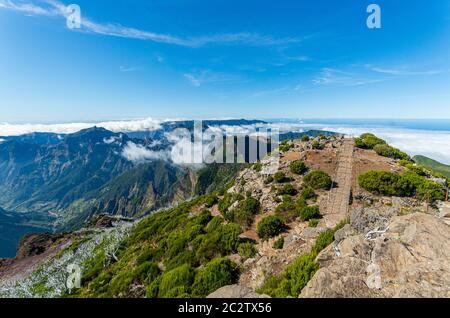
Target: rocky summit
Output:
{"points": [[340, 217]]}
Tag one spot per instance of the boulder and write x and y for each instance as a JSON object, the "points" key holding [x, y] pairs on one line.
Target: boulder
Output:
{"points": [[411, 259]]}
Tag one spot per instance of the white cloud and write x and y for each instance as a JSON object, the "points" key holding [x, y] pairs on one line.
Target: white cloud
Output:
{"points": [[7, 129], [57, 8], [193, 79], [402, 71], [330, 76], [137, 153], [28, 8], [127, 69], [433, 144], [201, 77]]}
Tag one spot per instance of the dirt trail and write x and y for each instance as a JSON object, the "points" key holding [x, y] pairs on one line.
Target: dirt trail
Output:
{"points": [[339, 197]]}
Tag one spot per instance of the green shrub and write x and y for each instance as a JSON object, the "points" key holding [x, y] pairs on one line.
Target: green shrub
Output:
{"points": [[287, 189], [285, 146], [227, 201], [246, 250], [313, 223], [297, 167], [287, 210], [406, 184], [257, 166], [145, 256], [297, 275], [390, 152], [305, 138], [326, 238], [121, 283], [211, 200], [269, 227], [251, 205], [309, 212], [318, 180], [317, 145], [416, 169], [368, 141], [242, 217], [246, 212], [300, 273], [147, 271], [278, 244], [182, 276], [430, 191], [308, 193], [217, 273], [293, 279], [268, 180], [280, 177]]}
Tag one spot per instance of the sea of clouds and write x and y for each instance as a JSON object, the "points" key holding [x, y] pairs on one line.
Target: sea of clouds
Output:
{"points": [[433, 144], [7, 129]]}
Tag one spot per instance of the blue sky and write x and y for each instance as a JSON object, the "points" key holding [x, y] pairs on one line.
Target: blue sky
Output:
{"points": [[173, 58]]}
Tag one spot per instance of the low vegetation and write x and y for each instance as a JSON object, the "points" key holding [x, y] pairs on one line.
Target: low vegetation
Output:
{"points": [[298, 167], [408, 184], [370, 141], [269, 227], [296, 276], [172, 253], [286, 145], [318, 145], [318, 180], [278, 244]]}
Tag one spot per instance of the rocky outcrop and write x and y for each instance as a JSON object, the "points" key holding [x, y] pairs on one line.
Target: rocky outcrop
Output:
{"points": [[235, 291], [406, 256]]}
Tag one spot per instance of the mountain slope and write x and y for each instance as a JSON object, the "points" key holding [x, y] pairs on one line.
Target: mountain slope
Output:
{"points": [[433, 165], [44, 177], [134, 193]]}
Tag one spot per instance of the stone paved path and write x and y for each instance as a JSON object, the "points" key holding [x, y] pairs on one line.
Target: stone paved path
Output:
{"points": [[339, 197]]}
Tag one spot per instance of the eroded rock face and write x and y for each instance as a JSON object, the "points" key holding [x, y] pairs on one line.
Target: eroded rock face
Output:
{"points": [[235, 291], [410, 259]]}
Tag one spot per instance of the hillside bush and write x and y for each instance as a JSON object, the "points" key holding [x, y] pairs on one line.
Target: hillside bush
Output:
{"points": [[278, 244], [318, 145], [308, 193], [406, 184], [390, 152], [309, 212], [246, 250], [287, 210], [269, 227], [217, 273], [171, 281], [287, 189], [318, 180], [298, 167], [280, 177], [368, 141]]}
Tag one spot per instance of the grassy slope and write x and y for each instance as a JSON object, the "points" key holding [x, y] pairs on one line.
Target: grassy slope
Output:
{"points": [[433, 165]]}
